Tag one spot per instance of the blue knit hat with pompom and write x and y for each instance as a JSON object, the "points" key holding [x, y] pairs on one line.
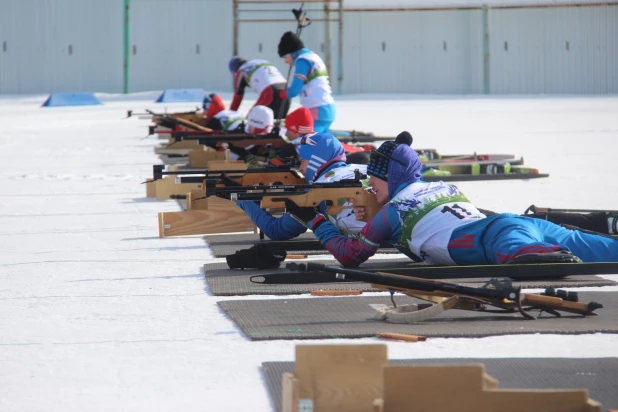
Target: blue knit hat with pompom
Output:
{"points": [[396, 163]]}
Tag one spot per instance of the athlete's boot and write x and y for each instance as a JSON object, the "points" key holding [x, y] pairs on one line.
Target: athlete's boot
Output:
{"points": [[561, 256]]}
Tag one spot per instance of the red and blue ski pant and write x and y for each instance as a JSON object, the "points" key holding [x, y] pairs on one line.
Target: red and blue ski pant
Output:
{"points": [[502, 237]]}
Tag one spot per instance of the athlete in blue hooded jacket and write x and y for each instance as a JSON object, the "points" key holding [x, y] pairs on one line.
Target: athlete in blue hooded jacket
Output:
{"points": [[436, 223], [310, 81], [322, 160]]}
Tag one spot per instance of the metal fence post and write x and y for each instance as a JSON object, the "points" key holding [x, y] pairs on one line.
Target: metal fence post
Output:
{"points": [[127, 54], [486, 54]]}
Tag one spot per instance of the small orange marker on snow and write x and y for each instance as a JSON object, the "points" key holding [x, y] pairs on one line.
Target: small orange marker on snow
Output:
{"points": [[401, 336]]}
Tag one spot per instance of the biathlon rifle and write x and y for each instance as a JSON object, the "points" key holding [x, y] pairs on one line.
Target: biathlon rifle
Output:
{"points": [[131, 113], [172, 122], [268, 175], [242, 140], [280, 175], [334, 194], [497, 293]]}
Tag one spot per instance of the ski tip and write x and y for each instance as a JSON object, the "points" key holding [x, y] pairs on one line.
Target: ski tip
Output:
{"points": [[260, 279]]}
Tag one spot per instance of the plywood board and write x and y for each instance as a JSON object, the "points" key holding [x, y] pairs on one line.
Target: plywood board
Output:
{"points": [[196, 200], [164, 150], [167, 186], [183, 144], [340, 377], [198, 159], [204, 222], [151, 188], [468, 388], [227, 165]]}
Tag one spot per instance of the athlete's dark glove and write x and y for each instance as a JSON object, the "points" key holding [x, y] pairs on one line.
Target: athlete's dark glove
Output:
{"points": [[227, 182], [260, 256], [308, 216]]}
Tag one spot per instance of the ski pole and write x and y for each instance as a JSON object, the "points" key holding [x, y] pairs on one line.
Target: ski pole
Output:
{"points": [[302, 21]]}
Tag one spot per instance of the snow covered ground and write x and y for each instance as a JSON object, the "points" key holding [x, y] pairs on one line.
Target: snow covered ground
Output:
{"points": [[98, 313]]}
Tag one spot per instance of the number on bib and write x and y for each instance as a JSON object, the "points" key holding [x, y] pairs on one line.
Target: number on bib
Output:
{"points": [[457, 211]]}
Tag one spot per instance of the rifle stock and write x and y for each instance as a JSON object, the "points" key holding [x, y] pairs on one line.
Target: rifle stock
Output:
{"points": [[337, 198], [247, 179], [251, 179], [275, 142], [336, 194], [242, 140], [549, 304], [557, 304], [282, 171], [171, 122]]}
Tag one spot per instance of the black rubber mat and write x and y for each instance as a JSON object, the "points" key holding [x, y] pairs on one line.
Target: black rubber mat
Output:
{"points": [[598, 375], [352, 317], [305, 244], [224, 281], [235, 282]]}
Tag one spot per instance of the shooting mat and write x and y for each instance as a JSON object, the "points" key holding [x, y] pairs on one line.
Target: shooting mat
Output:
{"points": [[223, 281], [352, 317], [598, 375]]}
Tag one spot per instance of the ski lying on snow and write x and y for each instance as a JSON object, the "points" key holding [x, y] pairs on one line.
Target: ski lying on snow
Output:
{"points": [[474, 178], [529, 271], [470, 162]]}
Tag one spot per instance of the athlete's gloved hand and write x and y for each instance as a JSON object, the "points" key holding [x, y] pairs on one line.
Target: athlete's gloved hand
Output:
{"points": [[228, 181], [308, 216]]}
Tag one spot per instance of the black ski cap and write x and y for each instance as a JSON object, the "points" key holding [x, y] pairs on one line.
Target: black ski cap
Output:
{"points": [[289, 43], [404, 138]]}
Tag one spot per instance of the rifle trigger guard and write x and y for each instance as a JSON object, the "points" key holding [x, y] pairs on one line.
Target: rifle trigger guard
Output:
{"points": [[521, 309]]}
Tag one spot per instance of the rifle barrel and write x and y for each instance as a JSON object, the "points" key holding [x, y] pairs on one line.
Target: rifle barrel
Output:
{"points": [[331, 185], [158, 172], [416, 284], [229, 172]]}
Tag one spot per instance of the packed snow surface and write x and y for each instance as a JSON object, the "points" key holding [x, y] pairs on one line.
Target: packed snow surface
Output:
{"points": [[98, 313]]}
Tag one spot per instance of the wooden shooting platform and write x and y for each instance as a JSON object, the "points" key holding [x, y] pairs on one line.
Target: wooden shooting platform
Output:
{"points": [[359, 378], [198, 159], [182, 147], [162, 189], [227, 165], [219, 216], [196, 200]]}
